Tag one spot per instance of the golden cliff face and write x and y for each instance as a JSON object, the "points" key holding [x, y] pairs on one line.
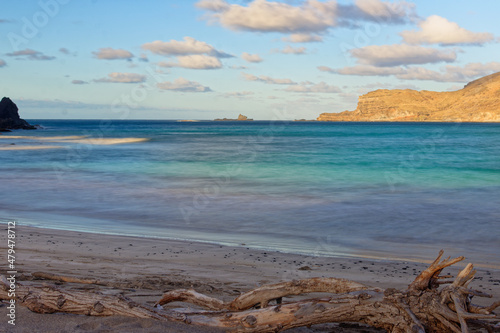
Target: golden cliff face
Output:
{"points": [[478, 101]]}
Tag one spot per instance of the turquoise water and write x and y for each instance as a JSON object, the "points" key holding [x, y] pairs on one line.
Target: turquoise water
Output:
{"points": [[386, 190]]}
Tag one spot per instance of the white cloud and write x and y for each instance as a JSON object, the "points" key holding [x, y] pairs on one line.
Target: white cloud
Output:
{"points": [[238, 94], [364, 70], [269, 16], [123, 78], [109, 53], [183, 85], [174, 47], [30, 55], [309, 16], [251, 57], [449, 73], [302, 38], [400, 54], [195, 61], [292, 50], [421, 73], [2, 63], [321, 87], [79, 82], [383, 10], [213, 5], [326, 69], [267, 79], [438, 30], [475, 69]]}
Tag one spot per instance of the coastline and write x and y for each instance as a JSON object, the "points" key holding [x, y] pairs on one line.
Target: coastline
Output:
{"points": [[143, 268]]}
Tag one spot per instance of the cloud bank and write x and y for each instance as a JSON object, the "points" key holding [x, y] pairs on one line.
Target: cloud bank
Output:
{"points": [[188, 46], [321, 87], [400, 54], [30, 54], [292, 50], [190, 53], [195, 61], [267, 79], [109, 53], [309, 17], [302, 38], [255, 58], [438, 30], [116, 77], [448, 73], [183, 85]]}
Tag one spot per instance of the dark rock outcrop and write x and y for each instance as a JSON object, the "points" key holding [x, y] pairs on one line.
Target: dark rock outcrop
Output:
{"points": [[9, 116], [240, 118]]}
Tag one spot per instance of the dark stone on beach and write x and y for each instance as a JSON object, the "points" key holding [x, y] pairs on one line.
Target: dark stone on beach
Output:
{"points": [[9, 117], [305, 268]]}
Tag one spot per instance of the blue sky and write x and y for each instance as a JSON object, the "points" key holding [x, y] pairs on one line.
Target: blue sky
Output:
{"points": [[105, 59]]}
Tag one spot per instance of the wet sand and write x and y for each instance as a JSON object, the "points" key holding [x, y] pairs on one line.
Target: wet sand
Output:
{"points": [[144, 268]]}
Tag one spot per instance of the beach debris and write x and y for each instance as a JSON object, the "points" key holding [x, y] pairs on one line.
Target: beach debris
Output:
{"points": [[305, 268], [425, 306]]}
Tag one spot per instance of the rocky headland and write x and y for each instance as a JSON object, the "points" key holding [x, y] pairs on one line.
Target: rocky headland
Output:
{"points": [[9, 116], [240, 118], [478, 101]]}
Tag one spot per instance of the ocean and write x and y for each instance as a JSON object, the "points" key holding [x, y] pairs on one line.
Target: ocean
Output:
{"points": [[378, 190]]}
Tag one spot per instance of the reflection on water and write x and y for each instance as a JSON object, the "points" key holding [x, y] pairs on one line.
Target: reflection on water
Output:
{"points": [[70, 139]]}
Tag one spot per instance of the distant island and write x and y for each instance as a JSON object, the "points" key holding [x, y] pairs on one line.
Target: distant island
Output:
{"points": [[478, 101], [240, 118], [9, 117]]}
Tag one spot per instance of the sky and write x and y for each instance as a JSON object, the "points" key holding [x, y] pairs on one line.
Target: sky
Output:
{"points": [[266, 59]]}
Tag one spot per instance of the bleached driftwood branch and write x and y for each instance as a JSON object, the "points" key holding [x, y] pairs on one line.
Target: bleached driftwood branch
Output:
{"points": [[423, 307]]}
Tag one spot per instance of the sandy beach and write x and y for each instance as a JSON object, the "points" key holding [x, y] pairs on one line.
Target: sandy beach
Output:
{"points": [[144, 268]]}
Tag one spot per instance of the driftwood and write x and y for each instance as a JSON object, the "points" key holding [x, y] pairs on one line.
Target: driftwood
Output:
{"points": [[423, 307]]}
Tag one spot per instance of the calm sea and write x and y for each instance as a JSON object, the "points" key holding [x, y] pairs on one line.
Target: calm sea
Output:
{"points": [[387, 190]]}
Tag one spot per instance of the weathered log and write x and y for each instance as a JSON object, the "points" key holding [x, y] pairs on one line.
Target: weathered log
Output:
{"points": [[429, 278], [50, 299], [263, 295], [267, 293], [421, 308], [191, 296]]}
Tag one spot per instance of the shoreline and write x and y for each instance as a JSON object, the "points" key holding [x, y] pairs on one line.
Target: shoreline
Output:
{"points": [[274, 120], [143, 268], [360, 254]]}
